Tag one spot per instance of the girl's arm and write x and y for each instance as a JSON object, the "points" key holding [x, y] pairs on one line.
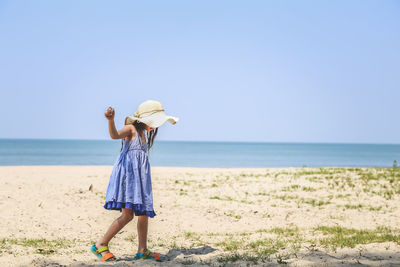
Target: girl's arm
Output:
{"points": [[114, 134]]}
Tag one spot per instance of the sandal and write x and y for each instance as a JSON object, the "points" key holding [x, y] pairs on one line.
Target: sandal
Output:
{"points": [[107, 257], [146, 255]]}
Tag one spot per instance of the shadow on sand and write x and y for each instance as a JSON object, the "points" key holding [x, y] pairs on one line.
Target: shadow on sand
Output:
{"points": [[306, 258], [173, 253]]}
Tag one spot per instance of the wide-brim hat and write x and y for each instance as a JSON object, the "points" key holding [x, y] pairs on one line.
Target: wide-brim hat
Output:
{"points": [[152, 114]]}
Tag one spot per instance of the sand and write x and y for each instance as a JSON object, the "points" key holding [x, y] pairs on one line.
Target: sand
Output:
{"points": [[205, 217]]}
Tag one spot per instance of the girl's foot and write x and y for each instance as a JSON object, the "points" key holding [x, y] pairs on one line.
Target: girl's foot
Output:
{"points": [[147, 254], [98, 246]]}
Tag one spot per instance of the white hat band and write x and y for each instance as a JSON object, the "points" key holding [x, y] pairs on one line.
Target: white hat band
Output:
{"points": [[138, 115]]}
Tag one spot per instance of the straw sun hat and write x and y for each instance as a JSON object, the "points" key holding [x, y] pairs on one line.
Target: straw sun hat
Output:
{"points": [[151, 113]]}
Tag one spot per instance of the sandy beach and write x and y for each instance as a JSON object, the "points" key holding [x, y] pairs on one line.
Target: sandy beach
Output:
{"points": [[206, 217]]}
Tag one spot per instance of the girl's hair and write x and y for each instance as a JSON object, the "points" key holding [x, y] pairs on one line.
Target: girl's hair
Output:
{"points": [[140, 128]]}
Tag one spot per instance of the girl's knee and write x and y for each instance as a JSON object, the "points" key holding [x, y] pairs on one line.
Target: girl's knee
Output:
{"points": [[127, 215]]}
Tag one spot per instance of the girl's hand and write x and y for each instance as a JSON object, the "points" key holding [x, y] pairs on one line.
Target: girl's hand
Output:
{"points": [[110, 113]]}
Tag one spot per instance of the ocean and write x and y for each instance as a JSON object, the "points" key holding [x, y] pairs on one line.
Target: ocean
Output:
{"points": [[200, 154]]}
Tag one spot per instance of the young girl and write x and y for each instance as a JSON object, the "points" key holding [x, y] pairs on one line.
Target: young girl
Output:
{"points": [[129, 189]]}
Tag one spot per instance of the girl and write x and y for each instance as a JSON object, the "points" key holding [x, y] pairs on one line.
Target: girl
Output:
{"points": [[129, 189]]}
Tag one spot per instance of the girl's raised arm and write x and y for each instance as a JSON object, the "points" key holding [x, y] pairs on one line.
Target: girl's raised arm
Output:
{"points": [[114, 134]]}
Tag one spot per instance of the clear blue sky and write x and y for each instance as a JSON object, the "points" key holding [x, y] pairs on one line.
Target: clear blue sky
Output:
{"points": [[289, 71]]}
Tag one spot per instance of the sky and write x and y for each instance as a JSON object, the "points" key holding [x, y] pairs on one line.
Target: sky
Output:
{"points": [[248, 71]]}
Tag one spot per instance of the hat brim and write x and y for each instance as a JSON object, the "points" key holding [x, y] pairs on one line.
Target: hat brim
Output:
{"points": [[154, 120]]}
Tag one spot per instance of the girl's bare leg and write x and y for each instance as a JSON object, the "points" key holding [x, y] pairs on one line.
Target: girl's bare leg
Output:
{"points": [[142, 227], [115, 227]]}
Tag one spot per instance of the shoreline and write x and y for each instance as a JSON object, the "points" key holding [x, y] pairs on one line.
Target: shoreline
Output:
{"points": [[222, 168]]}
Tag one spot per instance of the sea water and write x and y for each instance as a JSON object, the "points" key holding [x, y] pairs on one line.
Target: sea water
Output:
{"points": [[200, 154]]}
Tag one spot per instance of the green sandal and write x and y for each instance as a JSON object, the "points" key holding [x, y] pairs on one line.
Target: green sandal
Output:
{"points": [[107, 257], [146, 255]]}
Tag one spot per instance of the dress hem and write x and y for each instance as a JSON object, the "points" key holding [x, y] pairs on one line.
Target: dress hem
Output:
{"points": [[137, 208]]}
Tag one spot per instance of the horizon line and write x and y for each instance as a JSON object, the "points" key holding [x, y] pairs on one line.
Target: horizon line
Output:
{"points": [[208, 141]]}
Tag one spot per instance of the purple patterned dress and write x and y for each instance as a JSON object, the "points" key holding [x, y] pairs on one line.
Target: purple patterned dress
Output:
{"points": [[130, 180]]}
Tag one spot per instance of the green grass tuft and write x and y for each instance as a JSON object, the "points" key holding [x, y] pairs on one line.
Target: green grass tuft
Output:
{"points": [[348, 237]]}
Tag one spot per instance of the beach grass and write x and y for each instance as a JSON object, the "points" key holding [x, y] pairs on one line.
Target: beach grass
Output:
{"points": [[308, 189], [288, 241], [36, 245]]}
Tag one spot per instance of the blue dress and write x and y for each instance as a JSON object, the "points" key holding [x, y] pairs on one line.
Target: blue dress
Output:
{"points": [[130, 180]]}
